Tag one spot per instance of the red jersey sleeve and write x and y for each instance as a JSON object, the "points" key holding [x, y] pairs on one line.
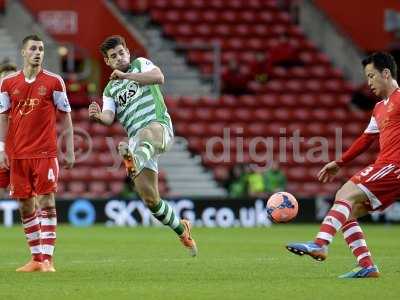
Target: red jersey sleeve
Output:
{"points": [[5, 103], [362, 143], [60, 97]]}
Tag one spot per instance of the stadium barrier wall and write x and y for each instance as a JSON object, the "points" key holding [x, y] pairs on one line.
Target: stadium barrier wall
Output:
{"points": [[207, 212]]}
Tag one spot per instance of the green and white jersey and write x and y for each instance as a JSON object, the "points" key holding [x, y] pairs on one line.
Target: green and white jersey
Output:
{"points": [[136, 106]]}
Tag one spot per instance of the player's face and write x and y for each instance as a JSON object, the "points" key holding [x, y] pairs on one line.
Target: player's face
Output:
{"points": [[118, 58], [377, 81], [33, 53]]}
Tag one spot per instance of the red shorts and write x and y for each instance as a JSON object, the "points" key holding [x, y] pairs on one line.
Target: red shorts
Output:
{"points": [[4, 178], [32, 177], [381, 184]]}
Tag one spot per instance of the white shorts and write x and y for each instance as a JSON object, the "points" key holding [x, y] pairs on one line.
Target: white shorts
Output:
{"points": [[168, 139]]}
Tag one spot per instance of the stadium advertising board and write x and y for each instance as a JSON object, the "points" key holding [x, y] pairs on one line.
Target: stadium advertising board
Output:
{"points": [[201, 212]]}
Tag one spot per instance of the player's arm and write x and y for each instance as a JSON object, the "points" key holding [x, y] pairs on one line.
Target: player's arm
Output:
{"points": [[154, 76], [5, 105], [3, 133], [360, 145], [68, 132], [105, 116], [149, 74], [61, 102]]}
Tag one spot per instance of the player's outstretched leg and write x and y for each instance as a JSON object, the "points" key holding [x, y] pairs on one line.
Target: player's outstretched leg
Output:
{"points": [[312, 249], [334, 220], [165, 214], [354, 237], [186, 238]]}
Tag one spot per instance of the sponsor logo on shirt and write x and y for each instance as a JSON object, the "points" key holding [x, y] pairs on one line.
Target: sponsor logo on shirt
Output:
{"points": [[128, 94], [25, 107]]}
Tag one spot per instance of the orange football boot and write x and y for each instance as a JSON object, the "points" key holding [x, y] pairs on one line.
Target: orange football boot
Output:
{"points": [[31, 266], [186, 238], [129, 161]]}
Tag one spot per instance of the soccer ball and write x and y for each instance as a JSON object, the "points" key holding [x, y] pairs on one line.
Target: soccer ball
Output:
{"points": [[282, 207]]}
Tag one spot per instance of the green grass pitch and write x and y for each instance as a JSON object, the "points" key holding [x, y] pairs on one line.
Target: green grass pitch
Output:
{"points": [[236, 263]]}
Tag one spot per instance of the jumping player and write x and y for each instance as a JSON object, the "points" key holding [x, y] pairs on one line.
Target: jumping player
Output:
{"points": [[133, 96]]}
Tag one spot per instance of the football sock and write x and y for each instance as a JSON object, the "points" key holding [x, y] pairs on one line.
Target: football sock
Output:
{"points": [[48, 234], [143, 153], [165, 214], [354, 237], [334, 220], [32, 233]]}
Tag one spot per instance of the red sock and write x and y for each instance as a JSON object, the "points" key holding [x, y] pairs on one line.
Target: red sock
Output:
{"points": [[48, 232], [334, 220], [32, 233], [354, 237]]}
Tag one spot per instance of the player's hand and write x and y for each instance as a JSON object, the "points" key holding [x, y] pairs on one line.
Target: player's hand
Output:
{"points": [[328, 172], [94, 111], [117, 74], [69, 160], [4, 160]]}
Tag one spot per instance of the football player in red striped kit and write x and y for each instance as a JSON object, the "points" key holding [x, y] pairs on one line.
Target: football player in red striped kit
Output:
{"points": [[29, 102], [375, 187]]}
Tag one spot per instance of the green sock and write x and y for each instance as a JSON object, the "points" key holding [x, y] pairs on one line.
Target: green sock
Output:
{"points": [[143, 153], [164, 213]]}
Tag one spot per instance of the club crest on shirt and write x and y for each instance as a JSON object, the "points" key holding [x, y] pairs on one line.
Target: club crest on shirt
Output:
{"points": [[16, 92], [42, 90]]}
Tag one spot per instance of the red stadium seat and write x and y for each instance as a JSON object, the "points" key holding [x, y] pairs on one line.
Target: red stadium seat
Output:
{"points": [[298, 72], [99, 143], [116, 187], [283, 115], [221, 173], [269, 101], [223, 114], [245, 115], [215, 129], [77, 187], [210, 16], [197, 129], [204, 114], [262, 114], [98, 187]]}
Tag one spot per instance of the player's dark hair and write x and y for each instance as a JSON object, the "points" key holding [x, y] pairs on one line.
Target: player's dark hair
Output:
{"points": [[111, 42], [32, 37], [381, 61]]}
